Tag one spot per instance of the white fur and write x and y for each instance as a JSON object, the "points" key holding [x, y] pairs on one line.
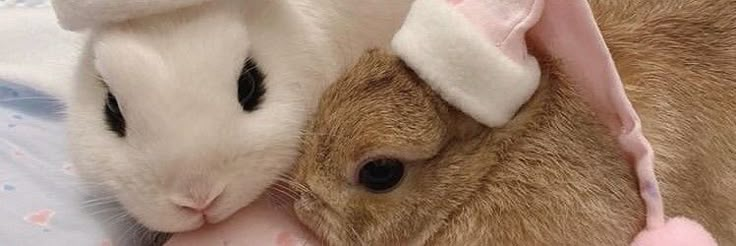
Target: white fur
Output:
{"points": [[467, 70], [174, 76]]}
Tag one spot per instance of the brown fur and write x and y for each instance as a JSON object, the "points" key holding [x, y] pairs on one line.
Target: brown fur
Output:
{"points": [[551, 176]]}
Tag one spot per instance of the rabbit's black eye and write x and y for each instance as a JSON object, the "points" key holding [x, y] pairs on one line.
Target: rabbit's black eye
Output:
{"points": [[250, 86], [113, 116], [381, 175]]}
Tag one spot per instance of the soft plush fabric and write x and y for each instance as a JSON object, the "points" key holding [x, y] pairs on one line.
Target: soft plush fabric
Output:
{"points": [[675, 232], [474, 53], [82, 14], [476, 58]]}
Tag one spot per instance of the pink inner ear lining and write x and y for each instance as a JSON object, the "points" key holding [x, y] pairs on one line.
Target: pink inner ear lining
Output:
{"points": [[504, 23]]}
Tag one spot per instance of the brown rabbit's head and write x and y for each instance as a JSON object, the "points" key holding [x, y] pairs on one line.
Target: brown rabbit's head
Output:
{"points": [[387, 162], [376, 167]]}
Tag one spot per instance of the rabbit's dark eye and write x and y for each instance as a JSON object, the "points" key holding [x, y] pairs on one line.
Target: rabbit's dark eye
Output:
{"points": [[113, 116], [250, 86], [381, 175]]}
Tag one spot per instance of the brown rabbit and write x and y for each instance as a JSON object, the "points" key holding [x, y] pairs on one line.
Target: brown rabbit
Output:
{"points": [[387, 162]]}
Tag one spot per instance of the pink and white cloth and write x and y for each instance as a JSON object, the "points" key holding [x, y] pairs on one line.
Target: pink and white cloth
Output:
{"points": [[474, 54], [41, 202], [77, 15]]}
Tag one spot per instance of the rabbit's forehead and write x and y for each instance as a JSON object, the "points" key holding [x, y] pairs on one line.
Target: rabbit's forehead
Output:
{"points": [[172, 52], [165, 85], [174, 81]]}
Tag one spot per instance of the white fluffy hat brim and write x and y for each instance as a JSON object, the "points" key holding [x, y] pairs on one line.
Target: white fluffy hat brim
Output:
{"points": [[462, 65], [81, 14]]}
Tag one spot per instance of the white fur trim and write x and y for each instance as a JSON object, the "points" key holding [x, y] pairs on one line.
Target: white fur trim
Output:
{"points": [[81, 14], [468, 71]]}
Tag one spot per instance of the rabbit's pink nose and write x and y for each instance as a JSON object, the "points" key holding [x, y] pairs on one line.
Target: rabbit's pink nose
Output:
{"points": [[197, 204]]}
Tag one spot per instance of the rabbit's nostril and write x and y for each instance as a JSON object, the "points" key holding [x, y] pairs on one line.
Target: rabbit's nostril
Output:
{"points": [[190, 209], [195, 205]]}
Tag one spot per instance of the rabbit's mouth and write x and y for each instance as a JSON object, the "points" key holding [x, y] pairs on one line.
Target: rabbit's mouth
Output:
{"points": [[269, 220]]}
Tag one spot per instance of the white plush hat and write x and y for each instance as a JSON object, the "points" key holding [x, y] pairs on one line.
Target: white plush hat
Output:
{"points": [[474, 54], [81, 14]]}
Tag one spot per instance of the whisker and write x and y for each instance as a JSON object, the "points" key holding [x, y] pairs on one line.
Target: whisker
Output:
{"points": [[115, 219], [284, 182], [285, 193], [279, 202], [97, 201], [125, 235], [356, 235], [292, 185], [102, 211]]}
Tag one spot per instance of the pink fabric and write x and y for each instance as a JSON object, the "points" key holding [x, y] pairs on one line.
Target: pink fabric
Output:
{"points": [[567, 30], [676, 232], [504, 22]]}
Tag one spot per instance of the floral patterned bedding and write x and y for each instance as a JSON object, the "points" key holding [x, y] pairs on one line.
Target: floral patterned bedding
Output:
{"points": [[40, 199]]}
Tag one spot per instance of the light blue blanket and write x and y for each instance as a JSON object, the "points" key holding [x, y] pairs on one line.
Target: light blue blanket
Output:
{"points": [[40, 201]]}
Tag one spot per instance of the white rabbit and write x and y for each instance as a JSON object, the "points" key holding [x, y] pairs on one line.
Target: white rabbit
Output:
{"points": [[186, 117]]}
